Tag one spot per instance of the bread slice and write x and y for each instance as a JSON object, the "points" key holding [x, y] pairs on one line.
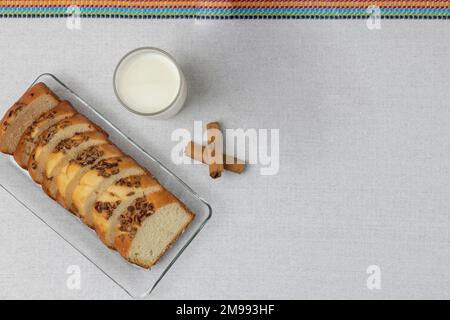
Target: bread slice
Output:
{"points": [[97, 180], [111, 203], [50, 138], [29, 138], [70, 174], [66, 150], [148, 227], [36, 101]]}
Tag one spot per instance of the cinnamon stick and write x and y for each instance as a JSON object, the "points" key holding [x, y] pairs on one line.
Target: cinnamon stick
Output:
{"points": [[215, 147], [196, 152]]}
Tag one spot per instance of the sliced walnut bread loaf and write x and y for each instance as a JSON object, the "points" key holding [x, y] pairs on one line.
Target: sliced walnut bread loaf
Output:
{"points": [[50, 138], [148, 227], [65, 151], [35, 102], [111, 203], [97, 180], [70, 174], [81, 169], [30, 137]]}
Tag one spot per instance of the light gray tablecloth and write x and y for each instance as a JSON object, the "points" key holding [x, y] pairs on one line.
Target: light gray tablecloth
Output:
{"points": [[364, 119]]}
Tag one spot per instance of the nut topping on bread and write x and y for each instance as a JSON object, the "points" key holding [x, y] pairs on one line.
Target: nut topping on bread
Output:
{"points": [[125, 192], [106, 208], [18, 107], [107, 167], [69, 143], [98, 179], [147, 229], [135, 214], [64, 152], [49, 139], [89, 156], [48, 135], [71, 174], [132, 182], [30, 137]]}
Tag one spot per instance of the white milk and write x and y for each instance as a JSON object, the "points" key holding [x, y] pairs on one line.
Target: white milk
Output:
{"points": [[147, 81]]}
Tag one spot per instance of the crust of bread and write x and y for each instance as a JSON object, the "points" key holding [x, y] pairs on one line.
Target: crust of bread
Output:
{"points": [[60, 200], [29, 138], [11, 115]]}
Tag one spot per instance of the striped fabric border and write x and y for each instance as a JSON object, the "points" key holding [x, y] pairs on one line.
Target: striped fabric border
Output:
{"points": [[227, 9]]}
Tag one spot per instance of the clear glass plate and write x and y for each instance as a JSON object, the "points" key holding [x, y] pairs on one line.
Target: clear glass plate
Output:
{"points": [[136, 281]]}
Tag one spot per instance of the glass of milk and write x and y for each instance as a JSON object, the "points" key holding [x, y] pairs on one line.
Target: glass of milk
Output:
{"points": [[148, 81]]}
